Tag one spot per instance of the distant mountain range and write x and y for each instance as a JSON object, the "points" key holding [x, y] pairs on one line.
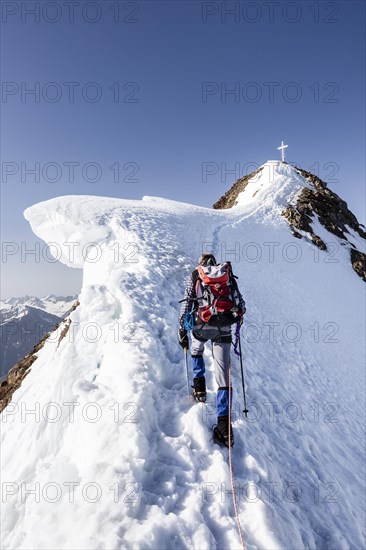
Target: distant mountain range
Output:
{"points": [[24, 321]]}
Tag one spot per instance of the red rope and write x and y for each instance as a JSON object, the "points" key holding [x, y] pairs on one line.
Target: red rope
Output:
{"points": [[231, 470]]}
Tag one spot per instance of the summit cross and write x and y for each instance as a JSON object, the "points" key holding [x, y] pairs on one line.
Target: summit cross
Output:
{"points": [[282, 148]]}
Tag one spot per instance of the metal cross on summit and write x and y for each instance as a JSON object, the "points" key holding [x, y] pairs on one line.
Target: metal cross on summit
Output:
{"points": [[282, 148]]}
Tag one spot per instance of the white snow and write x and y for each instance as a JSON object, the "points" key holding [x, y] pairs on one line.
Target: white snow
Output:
{"points": [[102, 430], [272, 188]]}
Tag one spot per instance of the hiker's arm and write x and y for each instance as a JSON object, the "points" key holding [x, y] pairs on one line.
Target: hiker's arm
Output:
{"points": [[241, 300], [189, 296]]}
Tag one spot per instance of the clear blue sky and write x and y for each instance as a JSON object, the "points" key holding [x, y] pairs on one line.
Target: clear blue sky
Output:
{"points": [[298, 72]]}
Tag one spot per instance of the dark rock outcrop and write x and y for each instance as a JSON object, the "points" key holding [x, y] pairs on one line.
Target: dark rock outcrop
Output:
{"points": [[333, 214], [358, 260], [332, 211], [229, 199]]}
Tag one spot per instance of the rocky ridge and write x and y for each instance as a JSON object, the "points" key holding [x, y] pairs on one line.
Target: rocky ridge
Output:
{"points": [[316, 200]]}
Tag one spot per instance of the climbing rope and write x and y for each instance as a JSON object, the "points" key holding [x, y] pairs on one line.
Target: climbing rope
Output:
{"points": [[231, 470], [189, 325]]}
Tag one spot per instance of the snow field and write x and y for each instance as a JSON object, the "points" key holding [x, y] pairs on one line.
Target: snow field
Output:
{"points": [[146, 473]]}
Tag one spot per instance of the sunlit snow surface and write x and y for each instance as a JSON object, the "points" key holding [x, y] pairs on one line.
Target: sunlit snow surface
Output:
{"points": [[119, 457]]}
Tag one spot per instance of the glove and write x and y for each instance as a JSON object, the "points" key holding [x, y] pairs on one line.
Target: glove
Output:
{"points": [[183, 338]]}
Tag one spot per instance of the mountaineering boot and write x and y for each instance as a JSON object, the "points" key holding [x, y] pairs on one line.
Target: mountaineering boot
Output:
{"points": [[221, 431], [199, 389]]}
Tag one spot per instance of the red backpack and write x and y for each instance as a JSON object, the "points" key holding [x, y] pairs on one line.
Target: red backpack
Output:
{"points": [[217, 295]]}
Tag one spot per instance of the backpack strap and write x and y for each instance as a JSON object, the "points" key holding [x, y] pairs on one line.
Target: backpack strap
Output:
{"points": [[198, 289]]}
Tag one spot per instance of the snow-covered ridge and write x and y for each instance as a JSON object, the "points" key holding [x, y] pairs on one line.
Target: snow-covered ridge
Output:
{"points": [[276, 184], [75, 223], [278, 190], [270, 187], [157, 479]]}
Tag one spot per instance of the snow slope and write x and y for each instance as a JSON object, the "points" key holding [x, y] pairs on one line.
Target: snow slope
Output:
{"points": [[116, 453]]}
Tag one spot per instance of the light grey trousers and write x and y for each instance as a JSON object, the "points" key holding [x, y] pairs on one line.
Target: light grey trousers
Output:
{"points": [[220, 353]]}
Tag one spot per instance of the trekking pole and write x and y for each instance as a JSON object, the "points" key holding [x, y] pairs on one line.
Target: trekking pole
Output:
{"points": [[245, 411], [186, 360]]}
